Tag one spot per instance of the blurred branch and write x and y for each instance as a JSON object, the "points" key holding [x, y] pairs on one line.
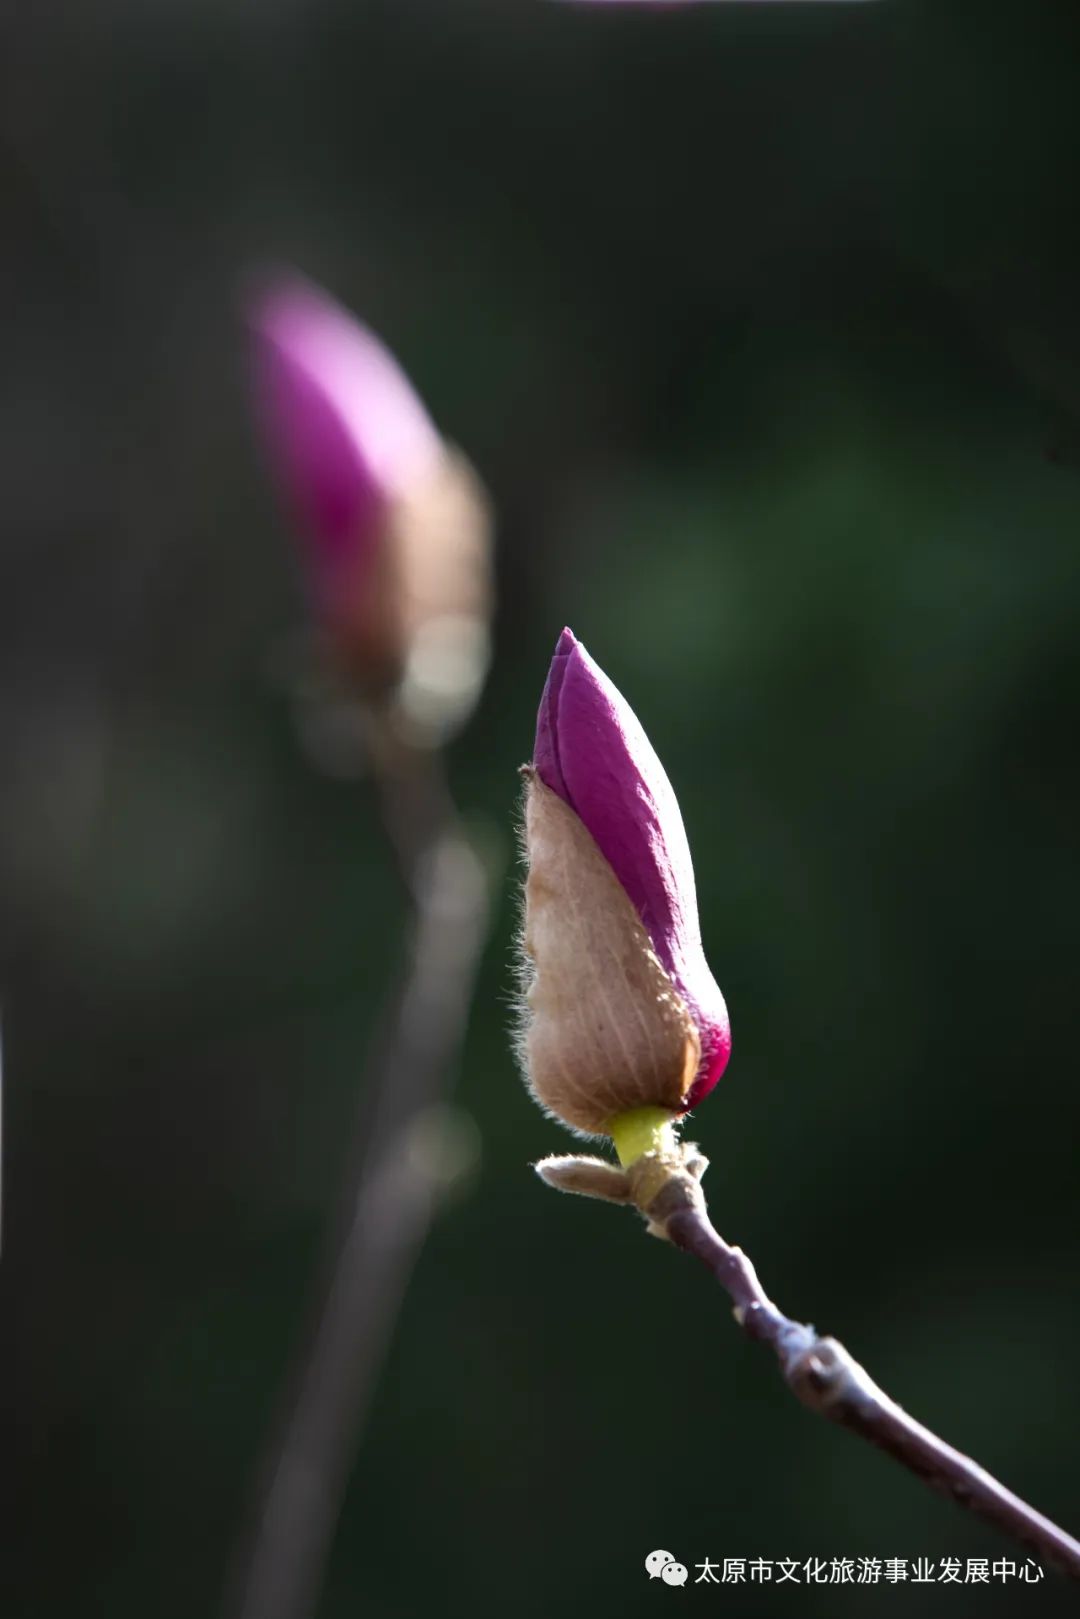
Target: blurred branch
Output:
{"points": [[818, 1370], [391, 1188]]}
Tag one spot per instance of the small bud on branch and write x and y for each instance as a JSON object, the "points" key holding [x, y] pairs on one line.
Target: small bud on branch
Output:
{"points": [[394, 526], [623, 1013]]}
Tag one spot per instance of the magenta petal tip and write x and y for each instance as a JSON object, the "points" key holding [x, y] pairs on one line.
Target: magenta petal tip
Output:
{"points": [[344, 427]]}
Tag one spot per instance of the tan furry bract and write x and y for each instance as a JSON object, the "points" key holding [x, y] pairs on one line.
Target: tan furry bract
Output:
{"points": [[605, 1028], [420, 606]]}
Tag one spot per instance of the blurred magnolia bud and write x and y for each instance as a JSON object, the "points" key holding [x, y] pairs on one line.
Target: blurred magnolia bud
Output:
{"points": [[393, 524], [623, 1013]]}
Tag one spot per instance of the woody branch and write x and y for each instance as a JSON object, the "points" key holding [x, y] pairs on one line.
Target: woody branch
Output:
{"points": [[387, 1202], [827, 1378]]}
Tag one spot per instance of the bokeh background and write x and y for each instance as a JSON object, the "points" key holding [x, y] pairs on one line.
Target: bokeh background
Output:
{"points": [[761, 324]]}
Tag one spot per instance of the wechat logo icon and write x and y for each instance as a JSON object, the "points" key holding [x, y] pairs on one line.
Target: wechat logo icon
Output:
{"points": [[662, 1566]]}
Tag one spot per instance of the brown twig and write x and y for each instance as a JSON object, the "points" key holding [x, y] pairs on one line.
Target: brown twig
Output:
{"points": [[818, 1370], [389, 1195]]}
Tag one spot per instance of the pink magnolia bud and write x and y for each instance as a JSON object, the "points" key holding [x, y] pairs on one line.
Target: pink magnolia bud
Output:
{"points": [[623, 1010], [393, 526]]}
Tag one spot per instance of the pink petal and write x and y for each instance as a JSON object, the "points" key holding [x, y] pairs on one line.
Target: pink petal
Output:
{"points": [[345, 428]]}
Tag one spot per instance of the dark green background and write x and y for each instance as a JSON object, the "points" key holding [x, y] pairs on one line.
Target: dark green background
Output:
{"points": [[761, 323]]}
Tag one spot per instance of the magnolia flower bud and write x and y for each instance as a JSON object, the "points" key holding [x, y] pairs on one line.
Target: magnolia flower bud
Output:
{"points": [[393, 523], [623, 1013]]}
